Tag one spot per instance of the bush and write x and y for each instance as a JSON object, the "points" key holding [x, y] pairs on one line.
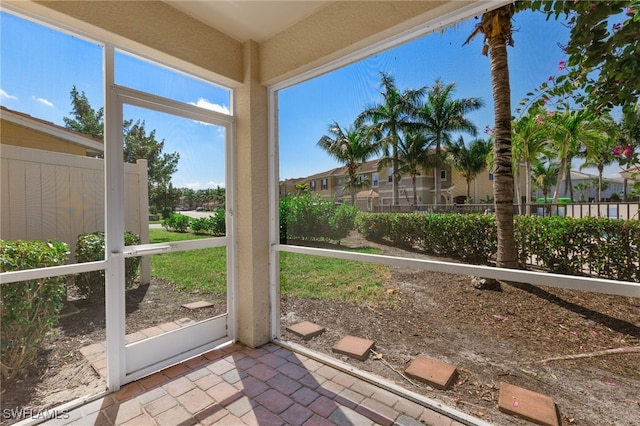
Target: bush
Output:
{"points": [[307, 217], [90, 248], [217, 222], [167, 212], [29, 309], [601, 247], [176, 222]]}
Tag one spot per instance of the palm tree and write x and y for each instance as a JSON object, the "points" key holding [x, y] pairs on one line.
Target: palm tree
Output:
{"points": [[629, 137], [350, 146], [544, 176], [441, 116], [388, 120], [571, 129], [413, 150], [471, 161], [598, 151], [496, 27], [529, 140]]}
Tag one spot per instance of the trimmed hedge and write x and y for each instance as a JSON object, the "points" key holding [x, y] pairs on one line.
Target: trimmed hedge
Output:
{"points": [[308, 217], [90, 248], [602, 247], [29, 309]]}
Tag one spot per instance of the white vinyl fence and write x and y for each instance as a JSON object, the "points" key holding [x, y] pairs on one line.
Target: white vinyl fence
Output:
{"points": [[47, 195]]}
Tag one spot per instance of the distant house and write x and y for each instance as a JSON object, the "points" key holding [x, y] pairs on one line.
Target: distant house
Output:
{"points": [[23, 130], [377, 186], [585, 188]]}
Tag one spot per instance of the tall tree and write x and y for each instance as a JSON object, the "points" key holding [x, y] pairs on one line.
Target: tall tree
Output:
{"points": [[440, 116], [571, 129], [389, 119], [469, 161], [529, 140], [137, 145], [160, 165], [545, 174], [496, 27], [598, 150], [351, 147], [85, 119], [413, 154]]}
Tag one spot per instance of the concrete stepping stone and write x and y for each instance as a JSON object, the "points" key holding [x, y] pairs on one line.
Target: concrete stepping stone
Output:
{"points": [[306, 329], [197, 305], [354, 347], [433, 372], [527, 404]]}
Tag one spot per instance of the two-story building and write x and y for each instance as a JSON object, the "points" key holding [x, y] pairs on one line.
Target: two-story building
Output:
{"points": [[376, 190]]}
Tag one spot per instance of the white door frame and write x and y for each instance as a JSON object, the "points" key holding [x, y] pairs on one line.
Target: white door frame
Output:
{"points": [[129, 362]]}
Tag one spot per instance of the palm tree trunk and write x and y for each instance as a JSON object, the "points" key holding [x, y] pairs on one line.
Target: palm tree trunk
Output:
{"points": [[396, 184], [506, 256], [516, 178], [415, 193], [561, 169], [527, 186]]}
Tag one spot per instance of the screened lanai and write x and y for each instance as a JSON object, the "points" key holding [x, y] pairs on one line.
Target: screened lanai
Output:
{"points": [[247, 52]]}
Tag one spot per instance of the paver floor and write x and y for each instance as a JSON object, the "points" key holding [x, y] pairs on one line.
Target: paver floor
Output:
{"points": [[270, 385]]}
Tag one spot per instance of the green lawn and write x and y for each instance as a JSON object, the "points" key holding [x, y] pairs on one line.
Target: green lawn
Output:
{"points": [[204, 271]]}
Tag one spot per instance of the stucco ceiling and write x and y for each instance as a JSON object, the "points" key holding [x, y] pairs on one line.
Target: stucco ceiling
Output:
{"points": [[245, 20]]}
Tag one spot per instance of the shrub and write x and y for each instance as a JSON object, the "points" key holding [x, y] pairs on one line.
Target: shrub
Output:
{"points": [[167, 212], [90, 248], [308, 217], [199, 225], [176, 222], [602, 247], [217, 222], [29, 309]]}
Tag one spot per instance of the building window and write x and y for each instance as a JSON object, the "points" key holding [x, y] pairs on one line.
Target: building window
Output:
{"points": [[376, 180], [443, 175], [490, 176], [324, 185], [389, 175], [313, 185]]}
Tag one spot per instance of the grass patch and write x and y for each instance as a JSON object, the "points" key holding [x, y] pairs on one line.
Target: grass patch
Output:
{"points": [[196, 271], [316, 277], [301, 275]]}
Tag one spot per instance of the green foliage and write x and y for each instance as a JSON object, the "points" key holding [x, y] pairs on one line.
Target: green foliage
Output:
{"points": [[138, 144], [469, 237], [90, 248], [217, 222], [214, 224], [176, 222], [603, 62], [308, 217], [601, 247], [29, 308]]}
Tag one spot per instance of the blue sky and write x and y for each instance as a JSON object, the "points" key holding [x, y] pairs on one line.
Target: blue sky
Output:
{"points": [[39, 66]]}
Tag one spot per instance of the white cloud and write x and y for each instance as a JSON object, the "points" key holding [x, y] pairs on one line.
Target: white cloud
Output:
{"points": [[194, 185], [5, 95], [212, 184], [203, 103], [43, 101]]}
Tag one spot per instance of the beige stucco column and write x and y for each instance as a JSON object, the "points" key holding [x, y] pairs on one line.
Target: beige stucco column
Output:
{"points": [[253, 204]]}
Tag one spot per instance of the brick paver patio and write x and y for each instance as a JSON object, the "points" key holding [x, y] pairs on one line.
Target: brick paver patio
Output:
{"points": [[270, 385]]}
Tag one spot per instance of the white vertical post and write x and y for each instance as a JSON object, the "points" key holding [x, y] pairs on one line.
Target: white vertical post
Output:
{"points": [[143, 194], [114, 227], [274, 210]]}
